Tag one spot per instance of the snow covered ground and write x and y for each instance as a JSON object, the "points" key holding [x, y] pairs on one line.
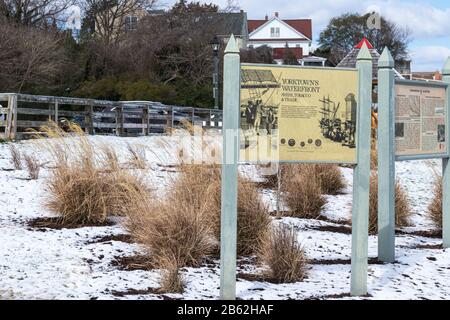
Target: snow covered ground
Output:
{"points": [[72, 263]]}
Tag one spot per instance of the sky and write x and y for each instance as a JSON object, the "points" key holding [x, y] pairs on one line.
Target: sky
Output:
{"points": [[428, 20]]}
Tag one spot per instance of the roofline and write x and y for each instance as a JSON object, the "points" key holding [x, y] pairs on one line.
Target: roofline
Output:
{"points": [[279, 39], [277, 18]]}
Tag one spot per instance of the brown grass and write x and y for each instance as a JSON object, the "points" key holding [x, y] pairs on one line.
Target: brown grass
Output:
{"points": [[373, 155], [33, 166], [171, 279], [435, 207], [284, 256], [109, 158], [402, 206], [137, 156], [202, 184], [329, 176], [81, 189], [302, 191], [16, 157]]}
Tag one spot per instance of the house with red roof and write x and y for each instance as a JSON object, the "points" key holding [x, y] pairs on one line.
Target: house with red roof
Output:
{"points": [[280, 34]]}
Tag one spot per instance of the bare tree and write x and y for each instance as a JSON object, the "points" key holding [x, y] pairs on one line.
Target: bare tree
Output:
{"points": [[42, 13], [231, 6], [109, 16], [28, 56]]}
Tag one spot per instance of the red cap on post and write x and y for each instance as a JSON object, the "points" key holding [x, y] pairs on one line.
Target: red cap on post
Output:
{"points": [[364, 40]]}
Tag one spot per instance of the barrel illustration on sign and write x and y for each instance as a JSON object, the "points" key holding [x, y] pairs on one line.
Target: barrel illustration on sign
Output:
{"points": [[298, 114], [420, 120]]}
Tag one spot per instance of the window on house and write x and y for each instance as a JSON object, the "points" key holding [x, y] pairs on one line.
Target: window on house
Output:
{"points": [[131, 23], [275, 32]]}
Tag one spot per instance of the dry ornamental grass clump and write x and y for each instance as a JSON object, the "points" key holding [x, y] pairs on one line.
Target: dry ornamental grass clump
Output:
{"points": [[81, 189], [33, 166], [137, 156], [435, 207], [402, 206], [329, 176], [202, 185], [284, 256], [16, 157], [171, 279], [374, 155], [302, 192], [184, 227]]}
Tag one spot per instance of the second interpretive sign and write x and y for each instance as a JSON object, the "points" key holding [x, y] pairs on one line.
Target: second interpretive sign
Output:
{"points": [[420, 120]]}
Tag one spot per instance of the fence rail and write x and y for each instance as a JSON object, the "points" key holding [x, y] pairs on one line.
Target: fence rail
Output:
{"points": [[21, 112]]}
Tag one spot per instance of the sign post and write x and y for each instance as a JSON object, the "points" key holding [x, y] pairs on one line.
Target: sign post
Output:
{"points": [[361, 177], [446, 168], [292, 114], [230, 129], [386, 158]]}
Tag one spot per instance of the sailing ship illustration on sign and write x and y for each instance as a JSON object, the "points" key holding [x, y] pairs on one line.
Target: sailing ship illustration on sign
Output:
{"points": [[335, 128], [256, 111]]}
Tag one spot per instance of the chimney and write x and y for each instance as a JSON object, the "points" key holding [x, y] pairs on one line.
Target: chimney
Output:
{"points": [[276, 14], [267, 17], [437, 76]]}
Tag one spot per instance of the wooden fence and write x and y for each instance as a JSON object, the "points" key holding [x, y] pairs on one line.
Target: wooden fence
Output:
{"points": [[21, 112]]}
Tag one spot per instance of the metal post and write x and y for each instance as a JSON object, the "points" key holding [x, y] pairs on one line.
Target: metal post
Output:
{"points": [[445, 167], [228, 235], [386, 158], [361, 176]]}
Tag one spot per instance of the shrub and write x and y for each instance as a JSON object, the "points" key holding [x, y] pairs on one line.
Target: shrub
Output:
{"points": [[284, 256], [302, 192], [16, 157], [402, 206], [33, 166], [435, 207]]}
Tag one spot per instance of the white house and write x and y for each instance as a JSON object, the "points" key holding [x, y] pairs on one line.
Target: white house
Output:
{"points": [[277, 34]]}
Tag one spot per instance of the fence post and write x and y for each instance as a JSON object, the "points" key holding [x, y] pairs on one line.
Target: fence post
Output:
{"points": [[11, 119], [145, 121], [119, 120], [445, 166], [56, 110], [89, 119], [169, 122], [361, 176], [386, 158], [228, 234]]}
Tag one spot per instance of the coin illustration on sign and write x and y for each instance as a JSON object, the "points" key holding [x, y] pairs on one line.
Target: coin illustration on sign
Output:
{"points": [[291, 142]]}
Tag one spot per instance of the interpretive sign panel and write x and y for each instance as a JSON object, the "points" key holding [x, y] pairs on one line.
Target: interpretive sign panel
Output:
{"points": [[420, 120], [298, 114]]}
